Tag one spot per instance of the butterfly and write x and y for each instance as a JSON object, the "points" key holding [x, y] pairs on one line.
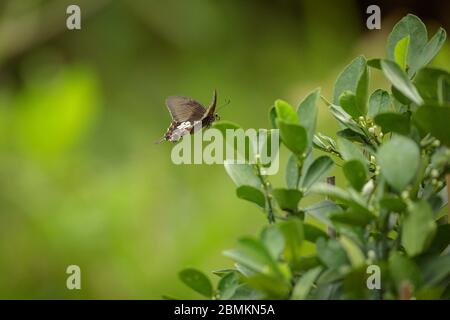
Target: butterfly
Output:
{"points": [[187, 116]]}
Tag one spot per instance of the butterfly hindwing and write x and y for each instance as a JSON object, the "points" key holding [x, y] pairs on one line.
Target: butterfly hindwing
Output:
{"points": [[184, 109]]}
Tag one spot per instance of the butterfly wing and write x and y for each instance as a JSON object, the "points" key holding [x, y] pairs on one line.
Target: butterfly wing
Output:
{"points": [[185, 109], [212, 106]]}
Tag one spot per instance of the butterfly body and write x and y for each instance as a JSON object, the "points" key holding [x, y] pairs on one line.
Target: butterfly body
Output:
{"points": [[188, 116]]}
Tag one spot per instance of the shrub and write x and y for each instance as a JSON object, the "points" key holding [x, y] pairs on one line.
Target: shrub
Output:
{"points": [[393, 149]]}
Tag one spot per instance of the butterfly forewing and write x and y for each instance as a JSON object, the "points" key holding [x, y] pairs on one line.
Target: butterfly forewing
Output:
{"points": [[184, 109]]}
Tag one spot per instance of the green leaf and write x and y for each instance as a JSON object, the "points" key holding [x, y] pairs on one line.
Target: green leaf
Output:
{"points": [[316, 171], [345, 119], [307, 114], [401, 52], [287, 199], [402, 269], [435, 120], [374, 63], [418, 229], [331, 253], [435, 270], [399, 159], [294, 137], [293, 238], [292, 172], [321, 209], [253, 256], [242, 174], [352, 217], [400, 81], [413, 27], [433, 85], [348, 197], [432, 48], [379, 102], [400, 98], [285, 112], [441, 240], [354, 78], [350, 151], [273, 117], [312, 233], [347, 101], [356, 173], [273, 240], [393, 122], [305, 284], [392, 203], [228, 285], [354, 253], [222, 126], [197, 281], [251, 194]]}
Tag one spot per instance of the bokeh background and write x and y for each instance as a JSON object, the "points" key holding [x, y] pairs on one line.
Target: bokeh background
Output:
{"points": [[81, 180]]}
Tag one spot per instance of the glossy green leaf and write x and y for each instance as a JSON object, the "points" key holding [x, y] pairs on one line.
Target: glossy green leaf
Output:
{"points": [[432, 48], [400, 81], [316, 171], [293, 238], [347, 101], [418, 229], [379, 102], [312, 233], [435, 270], [403, 269], [392, 203], [320, 211], [292, 172], [294, 137], [197, 281], [352, 217], [353, 78], [254, 256], [305, 284], [401, 52], [331, 253], [374, 63], [345, 119], [435, 120], [350, 151], [399, 159], [393, 122], [433, 85], [356, 173], [251, 194], [223, 125], [307, 114], [228, 285], [273, 240], [354, 253], [273, 117], [287, 199], [413, 27], [242, 174], [442, 239], [285, 112]]}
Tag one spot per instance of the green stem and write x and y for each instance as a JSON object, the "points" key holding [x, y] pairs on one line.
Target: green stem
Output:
{"points": [[266, 187]]}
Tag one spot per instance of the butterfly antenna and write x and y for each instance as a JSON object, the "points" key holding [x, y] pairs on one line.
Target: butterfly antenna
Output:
{"points": [[224, 105]]}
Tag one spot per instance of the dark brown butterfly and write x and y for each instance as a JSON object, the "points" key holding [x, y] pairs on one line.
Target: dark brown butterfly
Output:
{"points": [[187, 115]]}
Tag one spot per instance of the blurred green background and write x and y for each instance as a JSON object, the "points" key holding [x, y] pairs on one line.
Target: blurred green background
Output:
{"points": [[81, 180]]}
